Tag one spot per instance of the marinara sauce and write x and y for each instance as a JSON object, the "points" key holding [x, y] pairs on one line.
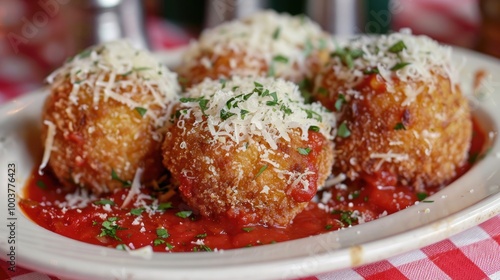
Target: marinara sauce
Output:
{"points": [[172, 226]]}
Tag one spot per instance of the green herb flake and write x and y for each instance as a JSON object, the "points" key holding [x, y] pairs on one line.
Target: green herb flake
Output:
{"points": [[41, 184], [314, 128], [400, 65], [261, 170], [304, 151], [276, 33], [345, 217], [328, 227], [115, 177], [397, 47], [224, 115], [274, 101], [109, 228], [202, 248], [158, 241], [137, 211], [248, 229], [162, 233], [340, 101], [280, 58], [184, 214], [141, 111], [399, 126], [371, 71], [104, 202], [343, 131], [421, 196], [85, 53], [165, 206], [201, 235]]}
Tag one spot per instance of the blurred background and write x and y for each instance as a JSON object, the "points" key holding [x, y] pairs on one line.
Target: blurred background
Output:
{"points": [[37, 36]]}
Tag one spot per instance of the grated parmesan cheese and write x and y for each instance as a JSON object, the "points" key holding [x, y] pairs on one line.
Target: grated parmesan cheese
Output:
{"points": [[398, 55], [134, 188], [49, 142], [243, 107], [260, 37], [98, 68]]}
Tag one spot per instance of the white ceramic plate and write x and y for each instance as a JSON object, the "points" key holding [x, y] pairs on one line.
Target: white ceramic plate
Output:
{"points": [[470, 200]]}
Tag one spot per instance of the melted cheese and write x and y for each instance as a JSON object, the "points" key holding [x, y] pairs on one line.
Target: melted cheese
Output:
{"points": [[244, 107]]}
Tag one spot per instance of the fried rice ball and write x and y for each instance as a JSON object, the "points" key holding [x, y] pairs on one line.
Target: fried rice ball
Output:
{"points": [[263, 44], [400, 113], [104, 115], [249, 150]]}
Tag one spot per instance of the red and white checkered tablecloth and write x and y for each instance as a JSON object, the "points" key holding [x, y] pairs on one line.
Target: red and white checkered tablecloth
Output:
{"points": [[472, 254]]}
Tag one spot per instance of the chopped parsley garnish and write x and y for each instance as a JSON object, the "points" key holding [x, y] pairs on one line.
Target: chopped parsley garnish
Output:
{"points": [[165, 206], [184, 214], [202, 102], [304, 151], [313, 115], [104, 202], [261, 170], [137, 211], [141, 111], [343, 130], [314, 128], [109, 228], [400, 65], [162, 233], [202, 248], [345, 216], [85, 53], [224, 115], [115, 177], [421, 196], [158, 241], [328, 227], [248, 229], [41, 184], [280, 58], [340, 101], [399, 126], [397, 47], [347, 56], [274, 101], [276, 33], [201, 235], [243, 113], [371, 71]]}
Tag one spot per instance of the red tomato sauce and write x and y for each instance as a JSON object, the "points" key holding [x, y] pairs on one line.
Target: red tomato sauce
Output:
{"points": [[172, 227]]}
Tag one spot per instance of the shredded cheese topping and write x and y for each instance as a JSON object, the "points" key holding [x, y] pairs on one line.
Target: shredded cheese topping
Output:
{"points": [[49, 142], [402, 55], [118, 71], [242, 107], [281, 40]]}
